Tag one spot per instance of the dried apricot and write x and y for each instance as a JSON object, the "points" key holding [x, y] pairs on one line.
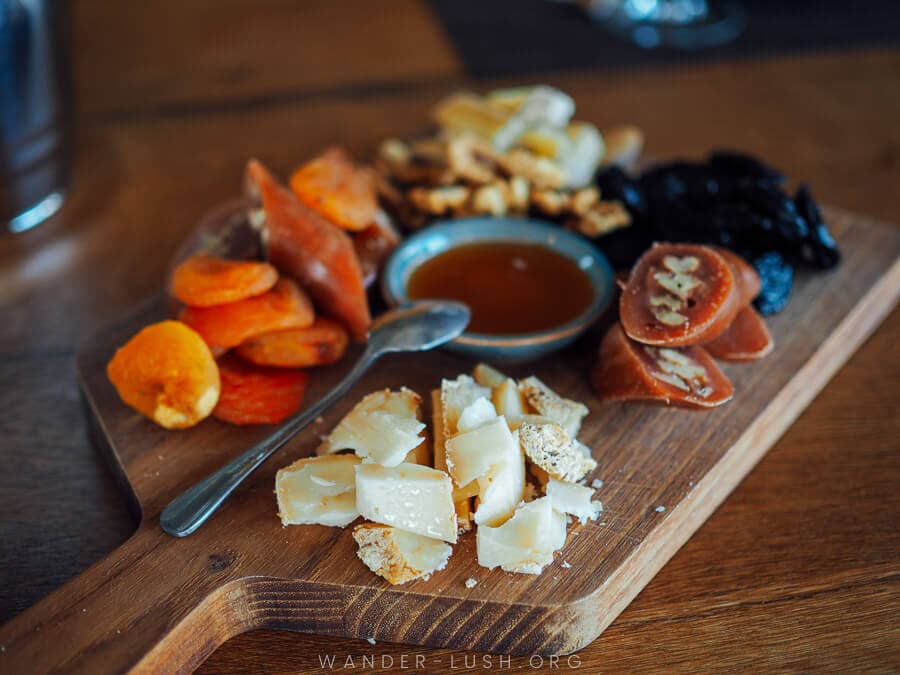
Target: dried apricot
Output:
{"points": [[255, 395], [285, 306], [338, 189], [321, 344], [205, 280], [306, 246], [167, 373]]}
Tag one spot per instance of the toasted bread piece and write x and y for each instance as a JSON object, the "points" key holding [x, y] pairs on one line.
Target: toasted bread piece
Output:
{"points": [[318, 491], [383, 427], [544, 401], [550, 448], [399, 556]]}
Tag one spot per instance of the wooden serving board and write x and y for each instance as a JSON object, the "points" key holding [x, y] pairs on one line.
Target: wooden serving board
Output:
{"points": [[163, 604]]}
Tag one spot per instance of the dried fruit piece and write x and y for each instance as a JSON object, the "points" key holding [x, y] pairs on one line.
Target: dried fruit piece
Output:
{"points": [[747, 339], [374, 246], [322, 343], [167, 373], [285, 306], [306, 246], [338, 189], [255, 395], [679, 294], [746, 275], [630, 371], [204, 280]]}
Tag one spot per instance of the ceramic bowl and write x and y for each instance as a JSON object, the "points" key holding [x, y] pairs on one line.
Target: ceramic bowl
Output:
{"points": [[440, 237]]}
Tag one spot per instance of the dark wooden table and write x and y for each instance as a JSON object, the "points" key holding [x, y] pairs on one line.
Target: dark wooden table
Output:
{"points": [[798, 570]]}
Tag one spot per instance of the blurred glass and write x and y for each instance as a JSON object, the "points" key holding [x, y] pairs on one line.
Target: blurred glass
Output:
{"points": [[684, 24], [34, 112]]}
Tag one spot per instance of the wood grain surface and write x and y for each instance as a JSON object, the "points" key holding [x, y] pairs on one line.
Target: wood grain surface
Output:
{"points": [[797, 570]]}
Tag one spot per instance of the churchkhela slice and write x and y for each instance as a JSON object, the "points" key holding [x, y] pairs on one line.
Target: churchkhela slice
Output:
{"points": [[679, 295], [747, 277], [747, 338], [306, 246], [630, 371]]}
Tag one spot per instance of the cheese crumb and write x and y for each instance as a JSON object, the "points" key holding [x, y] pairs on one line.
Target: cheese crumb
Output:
{"points": [[660, 509], [471, 583], [565, 565], [371, 641], [596, 483]]}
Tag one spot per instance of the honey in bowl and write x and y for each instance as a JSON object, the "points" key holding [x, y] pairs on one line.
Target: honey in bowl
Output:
{"points": [[510, 288]]}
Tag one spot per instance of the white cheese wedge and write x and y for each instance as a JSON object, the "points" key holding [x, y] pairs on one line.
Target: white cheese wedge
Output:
{"points": [[474, 453], [502, 489], [456, 396], [397, 555], [525, 543], [384, 427], [318, 491], [488, 376], [410, 497], [508, 400], [573, 499], [544, 401], [549, 447], [476, 414]]}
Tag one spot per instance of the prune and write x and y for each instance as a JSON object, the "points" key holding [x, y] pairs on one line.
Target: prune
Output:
{"points": [[818, 248], [777, 277], [738, 165], [615, 184]]}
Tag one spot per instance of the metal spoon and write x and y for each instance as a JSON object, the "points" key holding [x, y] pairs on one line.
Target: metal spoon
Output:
{"points": [[412, 328]]}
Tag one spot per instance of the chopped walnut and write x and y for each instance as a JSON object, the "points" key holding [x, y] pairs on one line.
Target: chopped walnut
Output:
{"points": [[542, 173], [550, 202], [603, 218], [440, 200]]}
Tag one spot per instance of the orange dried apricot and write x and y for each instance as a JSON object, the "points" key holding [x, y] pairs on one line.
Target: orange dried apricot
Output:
{"points": [[285, 306], [321, 344], [255, 395], [338, 189], [204, 280], [167, 373]]}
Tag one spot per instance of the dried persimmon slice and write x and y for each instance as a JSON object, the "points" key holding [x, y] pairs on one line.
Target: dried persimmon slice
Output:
{"points": [[679, 295], [374, 246], [167, 373], [255, 395], [748, 278], [630, 371], [338, 189], [321, 344], [285, 306], [747, 339], [306, 246], [205, 281]]}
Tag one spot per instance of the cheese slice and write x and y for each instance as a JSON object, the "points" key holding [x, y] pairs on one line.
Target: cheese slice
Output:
{"points": [[525, 543], [397, 555], [410, 497], [318, 491], [573, 499], [456, 396], [384, 427], [476, 414], [508, 400], [474, 453], [544, 401], [461, 496], [488, 376], [502, 489]]}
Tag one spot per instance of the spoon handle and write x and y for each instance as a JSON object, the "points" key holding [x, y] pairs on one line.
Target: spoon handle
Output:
{"points": [[188, 511]]}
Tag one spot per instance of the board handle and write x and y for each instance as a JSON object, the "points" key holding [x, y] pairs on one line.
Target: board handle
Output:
{"points": [[155, 604]]}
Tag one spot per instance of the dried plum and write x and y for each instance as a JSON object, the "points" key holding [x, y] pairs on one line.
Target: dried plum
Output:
{"points": [[777, 276], [731, 200]]}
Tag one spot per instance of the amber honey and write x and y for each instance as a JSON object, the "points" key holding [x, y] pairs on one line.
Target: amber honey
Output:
{"points": [[510, 288]]}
